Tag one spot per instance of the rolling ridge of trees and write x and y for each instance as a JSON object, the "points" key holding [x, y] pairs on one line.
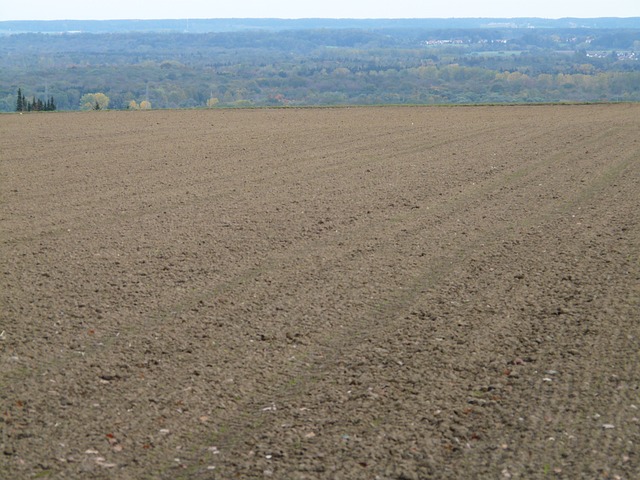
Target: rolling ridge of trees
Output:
{"points": [[323, 67]]}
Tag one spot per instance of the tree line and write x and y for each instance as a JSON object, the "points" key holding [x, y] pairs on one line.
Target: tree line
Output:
{"points": [[35, 104], [323, 67]]}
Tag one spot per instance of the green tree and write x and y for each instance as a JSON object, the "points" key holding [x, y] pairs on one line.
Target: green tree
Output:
{"points": [[20, 102], [50, 105]]}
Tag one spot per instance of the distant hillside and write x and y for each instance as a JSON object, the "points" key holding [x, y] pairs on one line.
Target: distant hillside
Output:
{"points": [[271, 24], [319, 62]]}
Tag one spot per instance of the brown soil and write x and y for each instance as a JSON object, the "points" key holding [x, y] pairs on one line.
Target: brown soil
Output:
{"points": [[379, 293]]}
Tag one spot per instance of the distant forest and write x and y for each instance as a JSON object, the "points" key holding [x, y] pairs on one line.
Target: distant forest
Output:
{"points": [[315, 62]]}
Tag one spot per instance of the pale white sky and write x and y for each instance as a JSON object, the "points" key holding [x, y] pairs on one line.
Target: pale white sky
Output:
{"points": [[170, 9]]}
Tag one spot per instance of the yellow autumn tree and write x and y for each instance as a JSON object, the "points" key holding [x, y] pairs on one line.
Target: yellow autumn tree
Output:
{"points": [[133, 105], [212, 102], [145, 105], [94, 101]]}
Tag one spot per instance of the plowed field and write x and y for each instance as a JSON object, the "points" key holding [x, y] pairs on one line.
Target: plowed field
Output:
{"points": [[375, 293]]}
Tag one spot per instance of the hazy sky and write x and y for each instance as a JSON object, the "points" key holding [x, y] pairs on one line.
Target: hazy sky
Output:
{"points": [[137, 9]]}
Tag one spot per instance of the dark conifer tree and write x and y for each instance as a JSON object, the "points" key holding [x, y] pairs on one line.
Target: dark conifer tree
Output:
{"points": [[35, 104], [19, 103]]}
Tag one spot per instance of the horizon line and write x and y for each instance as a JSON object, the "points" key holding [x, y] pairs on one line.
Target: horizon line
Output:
{"points": [[310, 18]]}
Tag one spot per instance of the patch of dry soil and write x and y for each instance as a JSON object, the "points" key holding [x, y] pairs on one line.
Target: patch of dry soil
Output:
{"points": [[390, 293]]}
